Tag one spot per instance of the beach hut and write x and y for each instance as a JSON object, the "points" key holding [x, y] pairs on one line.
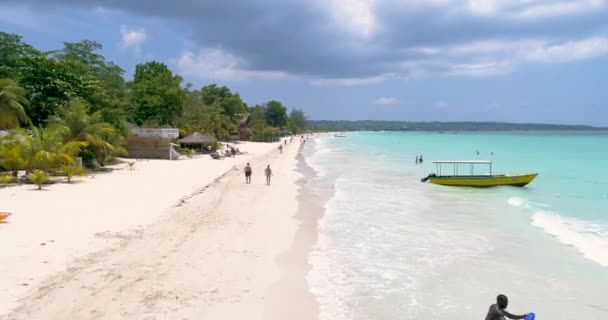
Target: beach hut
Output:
{"points": [[197, 140]]}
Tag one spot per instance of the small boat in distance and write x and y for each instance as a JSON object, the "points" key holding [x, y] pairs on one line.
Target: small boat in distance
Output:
{"points": [[339, 136], [475, 180]]}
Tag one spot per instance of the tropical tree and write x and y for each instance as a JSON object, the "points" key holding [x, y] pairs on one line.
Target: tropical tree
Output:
{"points": [[157, 94], [50, 83], [12, 50], [276, 114], [231, 103], [38, 177], [112, 100], [45, 149], [12, 105], [83, 131], [6, 179], [11, 157], [70, 170], [297, 121]]}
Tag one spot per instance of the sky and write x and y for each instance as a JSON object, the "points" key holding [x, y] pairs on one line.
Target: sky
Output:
{"points": [[540, 61]]}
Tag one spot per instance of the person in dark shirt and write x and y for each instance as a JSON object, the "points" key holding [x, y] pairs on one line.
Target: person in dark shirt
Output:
{"points": [[498, 311]]}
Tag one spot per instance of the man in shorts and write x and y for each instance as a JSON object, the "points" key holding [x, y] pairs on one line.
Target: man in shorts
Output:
{"points": [[248, 172]]}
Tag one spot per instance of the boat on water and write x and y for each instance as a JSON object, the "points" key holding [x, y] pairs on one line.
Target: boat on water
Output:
{"points": [[454, 178]]}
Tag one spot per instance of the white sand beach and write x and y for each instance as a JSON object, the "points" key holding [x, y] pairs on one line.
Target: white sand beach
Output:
{"points": [[181, 239]]}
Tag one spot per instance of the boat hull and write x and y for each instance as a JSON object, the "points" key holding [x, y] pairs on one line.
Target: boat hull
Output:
{"points": [[484, 181]]}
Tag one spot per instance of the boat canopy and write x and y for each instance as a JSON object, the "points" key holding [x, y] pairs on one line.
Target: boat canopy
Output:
{"points": [[457, 164]]}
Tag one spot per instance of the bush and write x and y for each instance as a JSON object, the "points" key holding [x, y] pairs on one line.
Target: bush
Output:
{"points": [[6, 179], [71, 170], [38, 177]]}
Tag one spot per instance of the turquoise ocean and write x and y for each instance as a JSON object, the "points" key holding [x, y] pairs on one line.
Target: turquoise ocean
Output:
{"points": [[392, 247]]}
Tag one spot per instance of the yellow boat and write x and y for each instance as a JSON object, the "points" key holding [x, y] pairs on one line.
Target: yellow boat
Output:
{"points": [[473, 180]]}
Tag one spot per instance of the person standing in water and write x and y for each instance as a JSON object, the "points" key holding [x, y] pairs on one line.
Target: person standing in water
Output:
{"points": [[420, 159], [416, 159], [248, 172], [268, 173], [498, 311]]}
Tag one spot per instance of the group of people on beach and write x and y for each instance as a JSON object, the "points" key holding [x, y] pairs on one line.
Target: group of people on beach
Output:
{"points": [[419, 159], [249, 172]]}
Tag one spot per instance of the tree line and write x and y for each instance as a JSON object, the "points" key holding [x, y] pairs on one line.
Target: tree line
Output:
{"points": [[72, 101]]}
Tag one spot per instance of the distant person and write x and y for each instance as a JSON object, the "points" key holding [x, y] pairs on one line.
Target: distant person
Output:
{"points": [[233, 152], [281, 148], [416, 159], [420, 159], [498, 311], [477, 151], [248, 172], [268, 173]]}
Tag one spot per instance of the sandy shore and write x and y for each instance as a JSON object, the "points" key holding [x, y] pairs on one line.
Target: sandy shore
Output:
{"points": [[169, 240]]}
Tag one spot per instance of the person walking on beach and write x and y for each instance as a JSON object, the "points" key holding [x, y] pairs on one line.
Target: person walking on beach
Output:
{"points": [[420, 159], [268, 173], [416, 159], [498, 311], [281, 148], [248, 173]]}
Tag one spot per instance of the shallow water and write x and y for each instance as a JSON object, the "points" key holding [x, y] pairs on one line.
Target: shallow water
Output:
{"points": [[391, 247]]}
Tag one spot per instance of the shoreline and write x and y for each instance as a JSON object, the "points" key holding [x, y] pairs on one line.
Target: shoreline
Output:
{"points": [[220, 253], [296, 258]]}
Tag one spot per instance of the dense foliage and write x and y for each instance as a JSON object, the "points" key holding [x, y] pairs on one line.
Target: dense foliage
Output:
{"points": [[72, 102]]}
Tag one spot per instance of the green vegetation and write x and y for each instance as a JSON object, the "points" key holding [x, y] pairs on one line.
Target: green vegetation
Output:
{"points": [[71, 102], [38, 177], [12, 105], [71, 170], [6, 179]]}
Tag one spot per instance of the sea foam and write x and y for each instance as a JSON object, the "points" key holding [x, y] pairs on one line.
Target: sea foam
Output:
{"points": [[516, 202], [589, 238]]}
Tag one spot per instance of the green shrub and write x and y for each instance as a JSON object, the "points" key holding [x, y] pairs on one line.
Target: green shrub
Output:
{"points": [[6, 179], [72, 170], [38, 177]]}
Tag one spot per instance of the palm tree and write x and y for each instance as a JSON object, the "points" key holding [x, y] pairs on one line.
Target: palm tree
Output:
{"points": [[45, 149], [39, 177], [12, 157], [12, 105], [84, 130], [70, 170], [6, 179]]}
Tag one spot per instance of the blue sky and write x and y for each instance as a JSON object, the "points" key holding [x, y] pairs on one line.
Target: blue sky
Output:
{"points": [[418, 60]]}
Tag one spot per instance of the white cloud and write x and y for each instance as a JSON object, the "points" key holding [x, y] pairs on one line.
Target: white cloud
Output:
{"points": [[480, 69], [386, 101], [438, 67], [495, 46], [354, 15], [132, 38], [569, 51], [497, 57], [560, 8], [351, 82], [219, 64]]}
